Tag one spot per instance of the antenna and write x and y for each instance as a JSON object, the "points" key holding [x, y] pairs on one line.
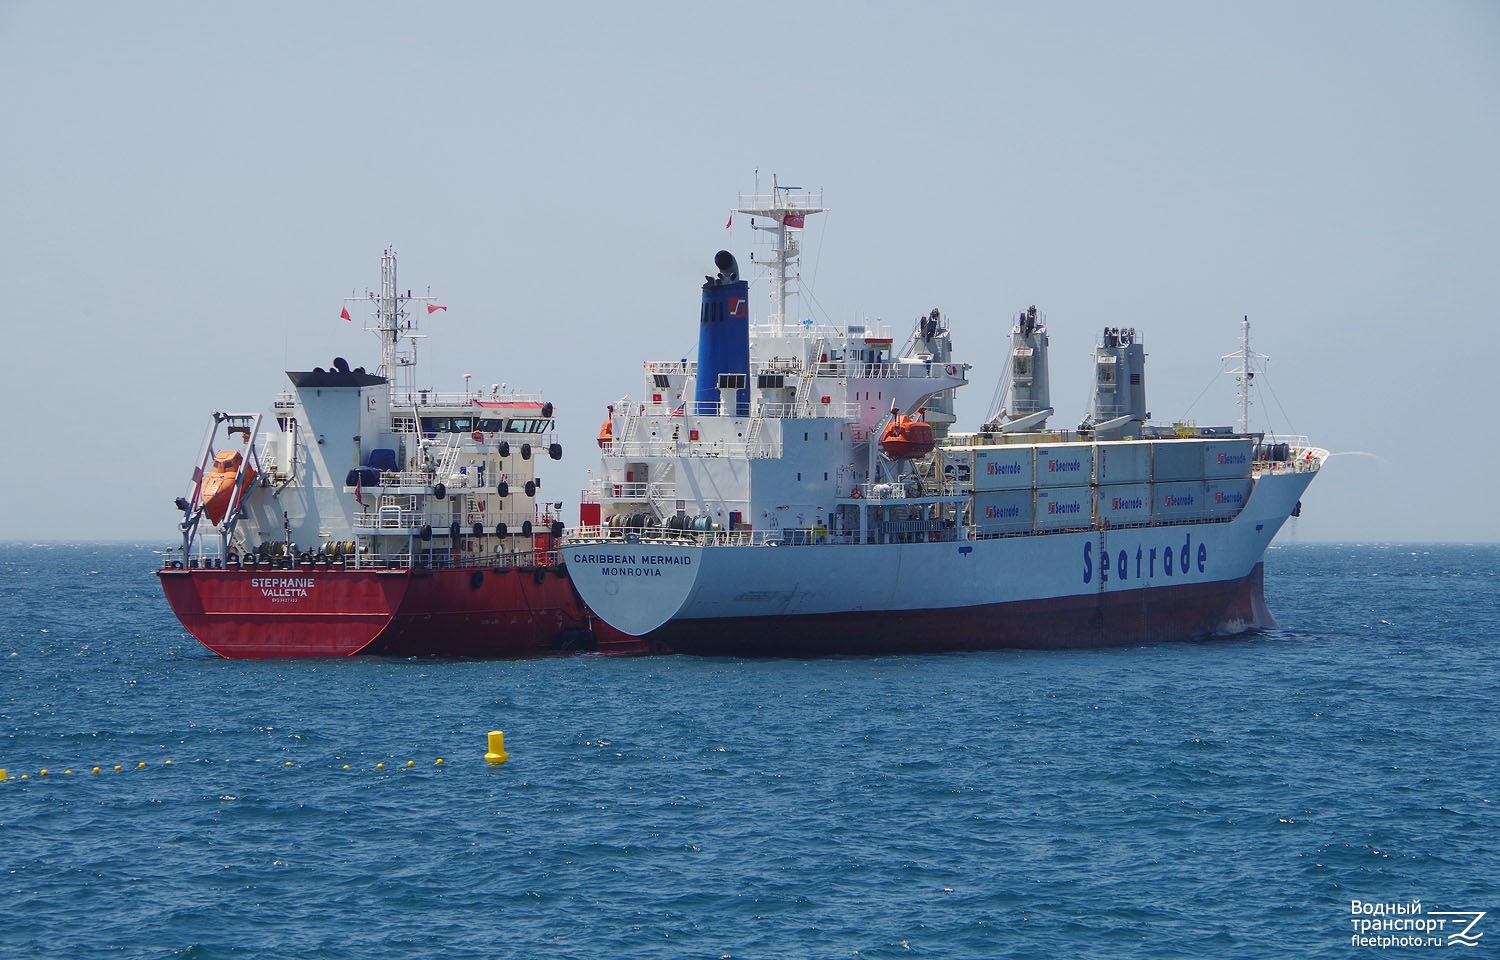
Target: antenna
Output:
{"points": [[783, 210], [1249, 360], [392, 322]]}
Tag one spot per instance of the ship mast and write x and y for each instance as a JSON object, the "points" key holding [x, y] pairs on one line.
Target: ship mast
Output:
{"points": [[394, 323], [1249, 360], [781, 211]]}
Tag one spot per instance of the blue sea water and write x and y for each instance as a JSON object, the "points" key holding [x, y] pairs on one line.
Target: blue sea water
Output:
{"points": [[1219, 799]]}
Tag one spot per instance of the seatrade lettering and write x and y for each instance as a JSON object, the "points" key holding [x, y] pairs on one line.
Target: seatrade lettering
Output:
{"points": [[994, 469], [612, 564], [1170, 560], [283, 589]]}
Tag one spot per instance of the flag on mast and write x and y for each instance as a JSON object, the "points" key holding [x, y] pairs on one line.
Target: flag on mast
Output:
{"points": [[345, 314], [435, 307]]}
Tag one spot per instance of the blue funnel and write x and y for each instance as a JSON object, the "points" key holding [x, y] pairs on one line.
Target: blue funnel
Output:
{"points": [[724, 339]]}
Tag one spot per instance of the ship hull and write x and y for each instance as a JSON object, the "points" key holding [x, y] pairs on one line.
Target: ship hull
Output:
{"points": [[1083, 588], [1127, 618], [318, 611]]}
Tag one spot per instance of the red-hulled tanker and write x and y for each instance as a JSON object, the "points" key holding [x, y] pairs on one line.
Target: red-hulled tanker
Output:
{"points": [[378, 517]]}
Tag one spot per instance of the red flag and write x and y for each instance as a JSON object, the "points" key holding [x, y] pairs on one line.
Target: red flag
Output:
{"points": [[345, 314], [728, 222], [435, 307], [797, 220], [358, 488]]}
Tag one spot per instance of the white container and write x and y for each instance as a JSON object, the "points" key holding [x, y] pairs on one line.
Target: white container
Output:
{"points": [[1173, 460], [1228, 459], [1122, 461], [1064, 508], [1064, 465], [1002, 468], [1227, 497], [1120, 504], [1178, 501], [1003, 511]]}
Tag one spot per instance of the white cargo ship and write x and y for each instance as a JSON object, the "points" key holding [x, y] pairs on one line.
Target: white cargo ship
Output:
{"points": [[798, 491]]}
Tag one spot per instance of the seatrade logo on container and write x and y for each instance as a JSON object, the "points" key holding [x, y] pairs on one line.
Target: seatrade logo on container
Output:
{"points": [[1407, 924]]}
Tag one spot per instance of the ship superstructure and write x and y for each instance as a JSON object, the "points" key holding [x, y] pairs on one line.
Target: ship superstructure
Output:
{"points": [[775, 432]]}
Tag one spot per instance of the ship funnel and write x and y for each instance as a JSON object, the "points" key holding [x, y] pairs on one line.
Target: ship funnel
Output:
{"points": [[729, 267], [723, 381]]}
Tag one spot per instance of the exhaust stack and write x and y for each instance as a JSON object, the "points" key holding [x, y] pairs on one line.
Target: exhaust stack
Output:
{"points": [[723, 385]]}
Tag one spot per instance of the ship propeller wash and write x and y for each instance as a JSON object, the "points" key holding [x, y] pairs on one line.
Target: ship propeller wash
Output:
{"points": [[798, 491], [372, 514]]}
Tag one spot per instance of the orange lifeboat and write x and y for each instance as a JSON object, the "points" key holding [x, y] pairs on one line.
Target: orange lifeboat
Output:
{"points": [[907, 439], [218, 486], [606, 433]]}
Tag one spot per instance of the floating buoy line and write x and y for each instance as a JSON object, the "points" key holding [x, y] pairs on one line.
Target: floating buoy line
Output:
{"points": [[495, 754]]}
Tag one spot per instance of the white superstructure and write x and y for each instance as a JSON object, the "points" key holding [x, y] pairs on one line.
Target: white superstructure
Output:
{"points": [[378, 468]]}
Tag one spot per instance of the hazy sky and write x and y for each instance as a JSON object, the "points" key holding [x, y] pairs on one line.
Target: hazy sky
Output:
{"points": [[188, 191]]}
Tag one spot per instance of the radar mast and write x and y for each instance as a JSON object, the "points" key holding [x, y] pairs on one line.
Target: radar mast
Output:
{"points": [[396, 326], [1244, 375], [780, 212]]}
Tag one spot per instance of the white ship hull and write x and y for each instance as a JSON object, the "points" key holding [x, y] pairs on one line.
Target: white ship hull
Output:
{"points": [[1068, 589]]}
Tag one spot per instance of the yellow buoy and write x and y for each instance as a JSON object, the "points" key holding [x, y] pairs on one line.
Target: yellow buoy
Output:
{"points": [[411, 763], [42, 772], [497, 752], [4, 777], [169, 763], [380, 766], [117, 768], [140, 765], [96, 769], [438, 764]]}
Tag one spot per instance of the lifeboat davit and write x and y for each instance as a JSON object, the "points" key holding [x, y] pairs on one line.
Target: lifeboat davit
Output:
{"points": [[218, 486], [907, 439]]}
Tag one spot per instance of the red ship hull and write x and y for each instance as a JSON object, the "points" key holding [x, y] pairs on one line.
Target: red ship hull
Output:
{"points": [[330, 611]]}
